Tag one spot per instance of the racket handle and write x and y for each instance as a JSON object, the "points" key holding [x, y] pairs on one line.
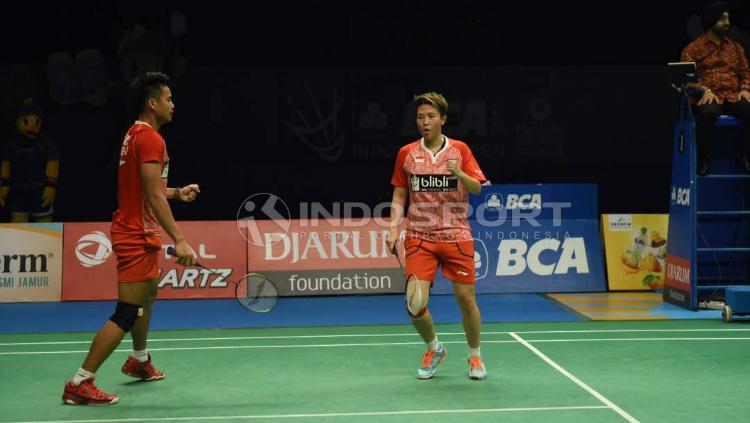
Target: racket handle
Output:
{"points": [[172, 252]]}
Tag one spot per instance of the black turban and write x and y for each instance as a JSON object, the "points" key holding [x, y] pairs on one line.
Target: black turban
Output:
{"points": [[712, 13]]}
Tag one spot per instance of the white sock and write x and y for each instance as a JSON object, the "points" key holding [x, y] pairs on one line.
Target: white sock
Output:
{"points": [[433, 345], [474, 352], [81, 375], [141, 355]]}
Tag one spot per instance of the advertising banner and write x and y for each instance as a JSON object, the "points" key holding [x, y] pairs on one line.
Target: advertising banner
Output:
{"points": [[680, 263], [324, 256], [30, 262], [90, 270], [635, 248], [535, 238]]}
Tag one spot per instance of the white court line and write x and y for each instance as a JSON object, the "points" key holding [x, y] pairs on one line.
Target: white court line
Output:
{"points": [[727, 338], [320, 415], [375, 344], [631, 330], [577, 381], [375, 335], [244, 347]]}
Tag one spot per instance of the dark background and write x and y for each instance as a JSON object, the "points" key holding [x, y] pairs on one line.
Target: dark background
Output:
{"points": [[309, 100]]}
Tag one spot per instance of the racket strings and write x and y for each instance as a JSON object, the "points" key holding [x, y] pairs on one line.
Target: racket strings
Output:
{"points": [[256, 293]]}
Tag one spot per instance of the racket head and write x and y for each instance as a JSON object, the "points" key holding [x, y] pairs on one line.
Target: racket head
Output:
{"points": [[256, 293], [413, 294]]}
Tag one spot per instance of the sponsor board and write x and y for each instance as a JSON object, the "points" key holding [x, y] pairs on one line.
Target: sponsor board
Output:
{"points": [[679, 283], [635, 250], [535, 238], [90, 269], [30, 262], [544, 258], [326, 257]]}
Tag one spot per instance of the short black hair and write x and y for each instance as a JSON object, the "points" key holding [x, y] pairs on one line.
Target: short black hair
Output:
{"points": [[145, 86]]}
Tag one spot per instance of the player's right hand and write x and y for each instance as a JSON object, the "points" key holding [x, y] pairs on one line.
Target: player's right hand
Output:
{"points": [[185, 254], [392, 240]]}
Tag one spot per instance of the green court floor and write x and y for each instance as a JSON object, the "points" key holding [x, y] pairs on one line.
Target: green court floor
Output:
{"points": [[658, 371]]}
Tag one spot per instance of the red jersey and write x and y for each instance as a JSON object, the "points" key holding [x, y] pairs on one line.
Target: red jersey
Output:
{"points": [[438, 201], [142, 144]]}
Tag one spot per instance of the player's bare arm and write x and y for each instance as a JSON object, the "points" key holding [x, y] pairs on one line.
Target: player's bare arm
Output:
{"points": [[154, 194], [186, 194], [398, 204]]}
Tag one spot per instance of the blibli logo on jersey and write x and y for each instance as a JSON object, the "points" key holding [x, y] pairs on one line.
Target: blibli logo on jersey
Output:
{"points": [[434, 183]]}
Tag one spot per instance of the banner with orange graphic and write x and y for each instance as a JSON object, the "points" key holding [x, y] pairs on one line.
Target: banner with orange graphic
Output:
{"points": [[30, 262], [635, 249]]}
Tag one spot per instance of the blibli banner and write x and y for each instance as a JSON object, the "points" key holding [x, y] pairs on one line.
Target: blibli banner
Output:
{"points": [[535, 238]]}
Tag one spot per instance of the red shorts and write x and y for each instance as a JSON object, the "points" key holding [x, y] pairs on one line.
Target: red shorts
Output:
{"points": [[137, 257], [456, 259]]}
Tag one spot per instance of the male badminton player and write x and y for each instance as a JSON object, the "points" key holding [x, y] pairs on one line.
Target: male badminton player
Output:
{"points": [[142, 195], [437, 174]]}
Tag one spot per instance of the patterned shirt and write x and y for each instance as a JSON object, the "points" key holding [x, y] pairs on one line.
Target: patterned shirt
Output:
{"points": [[142, 144], [438, 200], [722, 67]]}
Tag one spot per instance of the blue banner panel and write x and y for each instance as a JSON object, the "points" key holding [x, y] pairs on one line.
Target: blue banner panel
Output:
{"points": [[681, 264], [541, 201], [530, 244]]}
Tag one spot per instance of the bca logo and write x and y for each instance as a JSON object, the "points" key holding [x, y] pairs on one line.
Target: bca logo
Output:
{"points": [[524, 201], [515, 256], [93, 249], [681, 196]]}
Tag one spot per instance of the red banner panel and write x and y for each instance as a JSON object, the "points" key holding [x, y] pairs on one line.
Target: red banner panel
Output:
{"points": [[90, 268]]}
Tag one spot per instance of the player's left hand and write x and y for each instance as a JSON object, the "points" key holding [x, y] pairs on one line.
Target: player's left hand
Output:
{"points": [[453, 167], [189, 193], [48, 196], [745, 95]]}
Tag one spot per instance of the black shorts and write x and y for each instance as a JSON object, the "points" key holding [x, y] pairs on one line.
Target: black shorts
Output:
{"points": [[28, 200]]}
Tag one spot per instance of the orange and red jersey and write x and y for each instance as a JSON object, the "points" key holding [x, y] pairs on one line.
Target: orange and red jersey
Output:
{"points": [[438, 200]]}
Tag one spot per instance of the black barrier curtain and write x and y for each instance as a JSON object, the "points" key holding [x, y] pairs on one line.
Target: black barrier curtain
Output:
{"points": [[331, 135]]}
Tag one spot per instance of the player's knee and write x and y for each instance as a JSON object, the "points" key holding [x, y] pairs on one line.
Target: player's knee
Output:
{"points": [[419, 314], [125, 315]]}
